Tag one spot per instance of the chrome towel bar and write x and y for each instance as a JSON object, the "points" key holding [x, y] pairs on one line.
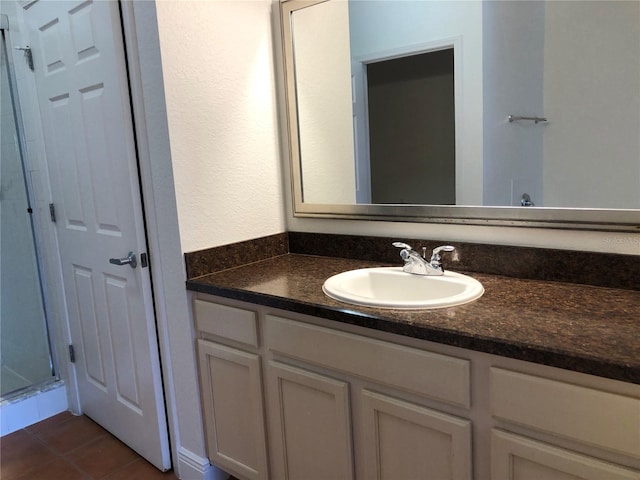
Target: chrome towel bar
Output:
{"points": [[516, 118]]}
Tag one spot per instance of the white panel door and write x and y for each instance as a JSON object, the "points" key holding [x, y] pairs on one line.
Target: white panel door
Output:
{"points": [[84, 104]]}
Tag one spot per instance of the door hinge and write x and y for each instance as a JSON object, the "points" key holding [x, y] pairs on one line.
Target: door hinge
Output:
{"points": [[72, 354], [144, 260], [52, 212]]}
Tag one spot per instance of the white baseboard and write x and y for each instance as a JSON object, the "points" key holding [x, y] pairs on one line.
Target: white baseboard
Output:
{"points": [[195, 467]]}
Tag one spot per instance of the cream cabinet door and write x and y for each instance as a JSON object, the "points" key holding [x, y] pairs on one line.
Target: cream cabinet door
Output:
{"points": [[233, 407], [518, 458], [404, 441], [310, 424]]}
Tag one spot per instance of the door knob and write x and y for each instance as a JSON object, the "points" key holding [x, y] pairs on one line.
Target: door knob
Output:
{"points": [[128, 260]]}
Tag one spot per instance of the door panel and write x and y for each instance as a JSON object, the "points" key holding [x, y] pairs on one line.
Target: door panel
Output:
{"points": [[83, 96], [92, 360], [119, 320]]}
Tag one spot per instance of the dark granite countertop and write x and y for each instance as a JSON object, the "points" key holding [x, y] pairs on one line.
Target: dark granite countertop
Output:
{"points": [[588, 329]]}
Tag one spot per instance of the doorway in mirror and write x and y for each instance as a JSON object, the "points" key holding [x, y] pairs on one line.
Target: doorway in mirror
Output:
{"points": [[411, 118]]}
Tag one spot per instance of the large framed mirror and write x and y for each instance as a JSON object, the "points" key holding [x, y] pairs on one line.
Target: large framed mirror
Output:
{"points": [[476, 112]]}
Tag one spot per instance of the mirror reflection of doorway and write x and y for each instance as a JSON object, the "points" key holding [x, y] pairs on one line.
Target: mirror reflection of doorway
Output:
{"points": [[411, 114]]}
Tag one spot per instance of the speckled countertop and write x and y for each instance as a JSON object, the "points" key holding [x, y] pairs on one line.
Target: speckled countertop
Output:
{"points": [[588, 329]]}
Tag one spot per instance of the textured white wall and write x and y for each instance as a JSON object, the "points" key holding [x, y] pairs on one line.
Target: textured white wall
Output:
{"points": [[218, 68]]}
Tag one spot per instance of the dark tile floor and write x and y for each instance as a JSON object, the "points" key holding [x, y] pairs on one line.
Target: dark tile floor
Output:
{"points": [[68, 447]]}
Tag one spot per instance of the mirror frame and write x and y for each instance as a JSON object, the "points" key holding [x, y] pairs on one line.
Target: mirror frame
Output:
{"points": [[538, 217]]}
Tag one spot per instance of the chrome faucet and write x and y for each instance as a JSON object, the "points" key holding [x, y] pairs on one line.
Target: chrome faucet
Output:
{"points": [[418, 264]]}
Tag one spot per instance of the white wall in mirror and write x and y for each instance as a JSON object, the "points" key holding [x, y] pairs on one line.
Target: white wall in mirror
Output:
{"points": [[592, 95], [323, 71]]}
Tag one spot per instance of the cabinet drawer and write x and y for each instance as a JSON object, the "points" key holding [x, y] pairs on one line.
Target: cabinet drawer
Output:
{"points": [[595, 417], [232, 323], [428, 374]]}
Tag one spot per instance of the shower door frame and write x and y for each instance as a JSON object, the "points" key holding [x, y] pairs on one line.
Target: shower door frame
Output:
{"points": [[6, 45]]}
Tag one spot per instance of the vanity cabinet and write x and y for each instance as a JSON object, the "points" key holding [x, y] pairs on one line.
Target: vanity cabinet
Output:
{"points": [[287, 396]]}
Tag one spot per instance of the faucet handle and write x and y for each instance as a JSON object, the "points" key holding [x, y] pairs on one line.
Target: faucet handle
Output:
{"points": [[435, 255], [401, 245], [443, 248], [404, 253]]}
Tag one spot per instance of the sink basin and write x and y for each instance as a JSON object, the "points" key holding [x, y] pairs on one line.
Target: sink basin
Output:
{"points": [[390, 287]]}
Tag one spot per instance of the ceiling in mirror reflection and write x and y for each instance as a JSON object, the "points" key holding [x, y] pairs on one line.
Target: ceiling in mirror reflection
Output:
{"points": [[574, 63]]}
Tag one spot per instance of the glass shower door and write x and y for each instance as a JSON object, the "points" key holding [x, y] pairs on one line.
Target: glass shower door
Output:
{"points": [[25, 358]]}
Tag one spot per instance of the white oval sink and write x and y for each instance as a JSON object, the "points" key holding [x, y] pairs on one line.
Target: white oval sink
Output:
{"points": [[390, 287]]}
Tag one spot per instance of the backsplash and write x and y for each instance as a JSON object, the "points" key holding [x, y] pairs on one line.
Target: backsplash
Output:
{"points": [[588, 268], [203, 262]]}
